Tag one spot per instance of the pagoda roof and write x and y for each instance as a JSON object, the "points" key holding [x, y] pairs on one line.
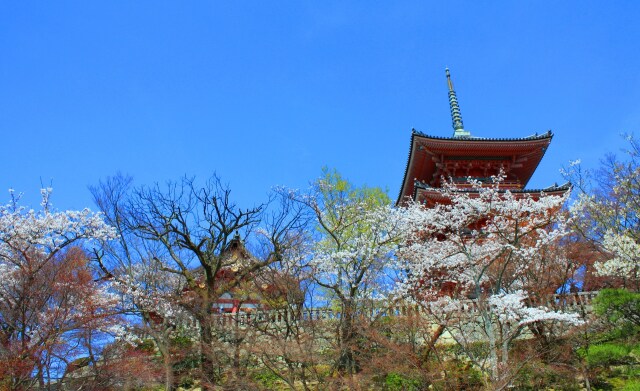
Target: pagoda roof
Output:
{"points": [[546, 135], [425, 150]]}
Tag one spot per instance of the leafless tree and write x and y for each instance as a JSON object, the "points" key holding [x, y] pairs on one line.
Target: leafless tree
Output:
{"points": [[181, 231]]}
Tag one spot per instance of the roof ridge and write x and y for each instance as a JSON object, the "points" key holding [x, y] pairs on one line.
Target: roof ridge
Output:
{"points": [[536, 136]]}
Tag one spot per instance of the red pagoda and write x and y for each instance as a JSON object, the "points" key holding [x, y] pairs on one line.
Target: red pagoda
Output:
{"points": [[464, 157]]}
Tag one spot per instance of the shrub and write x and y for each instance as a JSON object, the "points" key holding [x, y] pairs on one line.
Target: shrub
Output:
{"points": [[632, 385], [618, 305], [398, 382], [267, 379], [538, 375], [607, 354]]}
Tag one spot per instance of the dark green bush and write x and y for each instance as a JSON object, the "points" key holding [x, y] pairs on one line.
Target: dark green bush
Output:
{"points": [[618, 305], [607, 354], [540, 376]]}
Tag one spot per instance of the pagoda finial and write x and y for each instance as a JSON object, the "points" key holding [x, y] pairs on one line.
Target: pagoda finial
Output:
{"points": [[449, 80], [456, 117]]}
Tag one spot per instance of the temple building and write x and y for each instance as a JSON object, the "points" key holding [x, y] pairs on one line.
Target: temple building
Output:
{"points": [[462, 157]]}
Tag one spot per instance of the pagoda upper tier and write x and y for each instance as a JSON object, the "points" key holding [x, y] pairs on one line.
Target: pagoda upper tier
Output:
{"points": [[463, 157], [433, 158]]}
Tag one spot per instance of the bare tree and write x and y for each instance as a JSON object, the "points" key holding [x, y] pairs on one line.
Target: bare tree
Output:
{"points": [[130, 263], [181, 231], [290, 345]]}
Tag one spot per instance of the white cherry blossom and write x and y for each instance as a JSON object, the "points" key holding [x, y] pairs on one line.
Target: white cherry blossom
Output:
{"points": [[477, 253]]}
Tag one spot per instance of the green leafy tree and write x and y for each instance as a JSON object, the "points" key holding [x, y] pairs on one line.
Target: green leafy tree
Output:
{"points": [[356, 236]]}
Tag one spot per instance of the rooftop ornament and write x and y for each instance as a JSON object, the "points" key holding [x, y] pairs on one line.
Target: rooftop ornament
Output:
{"points": [[456, 116]]}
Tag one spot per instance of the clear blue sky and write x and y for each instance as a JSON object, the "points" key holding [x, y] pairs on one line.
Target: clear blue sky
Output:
{"points": [[266, 93]]}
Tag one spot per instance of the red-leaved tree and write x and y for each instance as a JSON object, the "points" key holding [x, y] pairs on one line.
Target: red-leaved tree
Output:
{"points": [[49, 301]]}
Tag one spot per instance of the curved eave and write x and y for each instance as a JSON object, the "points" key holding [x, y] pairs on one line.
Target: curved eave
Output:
{"points": [[471, 144], [406, 168], [437, 194], [547, 135]]}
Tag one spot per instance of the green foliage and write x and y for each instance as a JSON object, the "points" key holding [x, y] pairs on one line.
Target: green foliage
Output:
{"points": [[631, 385], [186, 382], [266, 378], [619, 332], [458, 375], [323, 370], [479, 349], [147, 345], [182, 341], [618, 382], [614, 353], [398, 382], [606, 354], [342, 205], [635, 352], [618, 305], [335, 189], [540, 376], [187, 364]]}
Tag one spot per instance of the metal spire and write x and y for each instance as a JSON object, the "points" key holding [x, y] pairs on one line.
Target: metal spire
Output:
{"points": [[456, 117]]}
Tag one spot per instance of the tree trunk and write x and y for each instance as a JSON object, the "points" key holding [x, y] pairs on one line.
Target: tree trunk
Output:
{"points": [[347, 362], [208, 375], [432, 342], [237, 343], [168, 370], [489, 329]]}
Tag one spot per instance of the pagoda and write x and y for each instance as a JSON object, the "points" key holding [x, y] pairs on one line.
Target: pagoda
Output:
{"points": [[463, 157]]}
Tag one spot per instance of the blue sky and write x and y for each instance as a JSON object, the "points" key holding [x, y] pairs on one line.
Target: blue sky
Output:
{"points": [[266, 93]]}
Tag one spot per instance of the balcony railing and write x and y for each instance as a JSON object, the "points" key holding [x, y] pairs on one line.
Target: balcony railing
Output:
{"points": [[571, 302]]}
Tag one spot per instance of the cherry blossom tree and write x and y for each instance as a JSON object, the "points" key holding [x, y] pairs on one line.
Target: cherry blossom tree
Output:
{"points": [[353, 254], [625, 252], [607, 211], [469, 262], [49, 299]]}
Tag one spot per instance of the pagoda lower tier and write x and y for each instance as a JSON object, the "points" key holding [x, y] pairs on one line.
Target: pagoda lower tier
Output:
{"points": [[430, 196]]}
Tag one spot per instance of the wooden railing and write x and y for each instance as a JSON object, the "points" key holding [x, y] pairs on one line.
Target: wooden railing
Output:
{"points": [[572, 302]]}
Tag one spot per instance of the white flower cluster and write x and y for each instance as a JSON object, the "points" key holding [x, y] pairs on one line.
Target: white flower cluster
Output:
{"points": [[459, 242], [46, 231], [510, 308], [626, 256], [123, 334], [144, 289], [364, 252], [485, 240]]}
